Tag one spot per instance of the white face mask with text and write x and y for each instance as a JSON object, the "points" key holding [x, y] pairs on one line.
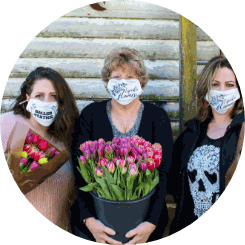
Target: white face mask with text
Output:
{"points": [[43, 112], [221, 101], [124, 91]]}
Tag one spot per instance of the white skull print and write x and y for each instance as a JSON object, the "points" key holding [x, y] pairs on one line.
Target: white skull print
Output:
{"points": [[203, 176]]}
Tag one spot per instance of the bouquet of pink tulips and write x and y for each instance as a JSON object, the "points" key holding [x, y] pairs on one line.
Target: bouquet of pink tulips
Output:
{"points": [[36, 152], [122, 170]]}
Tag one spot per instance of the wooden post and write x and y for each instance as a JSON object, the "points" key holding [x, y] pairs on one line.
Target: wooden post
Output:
{"points": [[188, 71]]}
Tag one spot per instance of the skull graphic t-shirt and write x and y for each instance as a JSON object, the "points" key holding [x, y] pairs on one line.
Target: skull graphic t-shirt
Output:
{"points": [[203, 175]]}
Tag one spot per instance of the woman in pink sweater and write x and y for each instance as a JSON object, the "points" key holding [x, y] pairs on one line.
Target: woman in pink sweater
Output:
{"points": [[45, 90]]}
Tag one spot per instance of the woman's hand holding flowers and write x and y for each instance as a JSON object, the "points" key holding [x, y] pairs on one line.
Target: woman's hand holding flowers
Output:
{"points": [[99, 231], [141, 233]]}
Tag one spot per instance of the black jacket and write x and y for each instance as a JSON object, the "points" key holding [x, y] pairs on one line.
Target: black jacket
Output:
{"points": [[93, 124], [184, 146]]}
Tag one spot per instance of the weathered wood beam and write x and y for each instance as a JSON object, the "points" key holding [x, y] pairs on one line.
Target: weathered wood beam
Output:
{"points": [[188, 70]]}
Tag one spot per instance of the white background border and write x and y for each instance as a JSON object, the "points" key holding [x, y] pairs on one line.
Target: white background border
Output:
{"points": [[21, 21]]}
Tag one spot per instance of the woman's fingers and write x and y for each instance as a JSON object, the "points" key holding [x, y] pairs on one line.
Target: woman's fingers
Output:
{"points": [[131, 233], [109, 231], [112, 241], [133, 241]]}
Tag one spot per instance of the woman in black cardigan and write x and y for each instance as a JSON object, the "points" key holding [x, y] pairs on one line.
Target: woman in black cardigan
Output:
{"points": [[123, 116]]}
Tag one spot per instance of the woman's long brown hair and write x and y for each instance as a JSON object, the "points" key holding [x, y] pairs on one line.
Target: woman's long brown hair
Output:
{"points": [[62, 127]]}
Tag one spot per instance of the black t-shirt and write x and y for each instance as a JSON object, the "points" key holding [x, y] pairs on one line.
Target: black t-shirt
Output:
{"points": [[203, 175]]}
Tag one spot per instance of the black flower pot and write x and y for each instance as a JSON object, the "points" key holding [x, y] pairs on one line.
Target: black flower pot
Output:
{"points": [[121, 216]]}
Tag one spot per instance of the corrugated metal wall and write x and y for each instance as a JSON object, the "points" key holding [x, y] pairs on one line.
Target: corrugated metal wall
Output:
{"points": [[77, 43]]}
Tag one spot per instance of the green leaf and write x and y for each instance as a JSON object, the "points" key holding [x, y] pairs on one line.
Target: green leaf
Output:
{"points": [[21, 166], [108, 177], [84, 172], [115, 175], [130, 183], [136, 194], [90, 187], [146, 189], [118, 192], [104, 187], [25, 169], [100, 192], [155, 181], [148, 172]]}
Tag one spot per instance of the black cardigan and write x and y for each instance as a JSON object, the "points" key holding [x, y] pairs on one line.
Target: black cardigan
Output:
{"points": [[92, 124], [184, 146]]}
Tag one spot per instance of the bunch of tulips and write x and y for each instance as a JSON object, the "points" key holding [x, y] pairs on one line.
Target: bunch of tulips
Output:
{"points": [[36, 152], [122, 170]]}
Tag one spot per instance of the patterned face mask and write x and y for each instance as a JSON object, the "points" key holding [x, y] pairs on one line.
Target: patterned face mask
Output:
{"points": [[124, 91], [43, 112], [221, 101]]}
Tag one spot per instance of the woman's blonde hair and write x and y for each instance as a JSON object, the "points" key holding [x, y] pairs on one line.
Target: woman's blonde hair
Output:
{"points": [[125, 56], [204, 86]]}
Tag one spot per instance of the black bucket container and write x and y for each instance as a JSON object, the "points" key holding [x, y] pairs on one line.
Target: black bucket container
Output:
{"points": [[121, 216]]}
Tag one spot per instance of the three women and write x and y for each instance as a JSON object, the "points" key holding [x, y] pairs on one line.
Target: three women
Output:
{"points": [[202, 154]]}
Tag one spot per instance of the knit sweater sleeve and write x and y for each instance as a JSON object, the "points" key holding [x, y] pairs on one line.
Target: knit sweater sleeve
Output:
{"points": [[7, 122]]}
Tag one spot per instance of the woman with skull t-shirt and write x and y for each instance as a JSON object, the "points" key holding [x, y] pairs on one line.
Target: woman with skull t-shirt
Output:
{"points": [[204, 152]]}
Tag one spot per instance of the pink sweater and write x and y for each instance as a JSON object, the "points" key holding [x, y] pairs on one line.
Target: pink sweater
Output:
{"points": [[54, 197]]}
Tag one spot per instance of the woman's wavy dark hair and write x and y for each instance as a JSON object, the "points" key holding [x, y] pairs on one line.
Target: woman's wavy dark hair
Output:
{"points": [[204, 86], [62, 127]]}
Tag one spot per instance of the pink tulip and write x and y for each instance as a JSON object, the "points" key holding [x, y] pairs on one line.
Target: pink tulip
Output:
{"points": [[96, 144], [29, 139], [102, 162], [138, 157], [149, 154], [52, 151], [26, 147], [143, 166], [56, 153], [157, 160], [94, 153], [108, 150], [35, 139], [125, 151], [121, 152], [32, 151], [133, 172], [147, 144], [124, 170], [99, 172], [132, 165], [29, 132], [111, 167], [157, 146], [151, 164], [34, 165], [116, 160], [43, 145], [24, 161], [101, 151], [87, 154], [82, 147], [38, 155], [82, 159], [130, 159], [101, 141], [116, 141], [122, 163]]}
